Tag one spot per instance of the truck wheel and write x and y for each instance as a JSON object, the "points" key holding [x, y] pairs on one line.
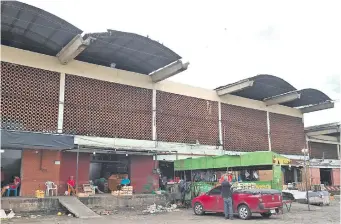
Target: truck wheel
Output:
{"points": [[265, 215], [198, 209], [244, 212]]}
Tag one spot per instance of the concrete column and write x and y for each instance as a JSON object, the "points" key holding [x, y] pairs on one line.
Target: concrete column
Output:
{"points": [[295, 174], [268, 128], [338, 151], [154, 137], [220, 125], [61, 103]]}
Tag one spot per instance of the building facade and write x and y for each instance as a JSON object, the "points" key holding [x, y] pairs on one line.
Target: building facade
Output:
{"points": [[324, 146], [113, 98]]}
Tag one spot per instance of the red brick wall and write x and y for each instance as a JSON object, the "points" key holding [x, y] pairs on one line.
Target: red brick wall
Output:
{"points": [[244, 129], [287, 134], [315, 175], [105, 109], [141, 174], [35, 175], [186, 119], [29, 98], [68, 168], [317, 149], [38, 166], [336, 177]]}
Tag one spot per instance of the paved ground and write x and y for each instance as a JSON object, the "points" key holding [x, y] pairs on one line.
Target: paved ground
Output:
{"points": [[298, 214]]}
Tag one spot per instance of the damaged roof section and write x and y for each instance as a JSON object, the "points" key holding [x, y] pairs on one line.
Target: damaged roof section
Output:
{"points": [[29, 28], [127, 51], [273, 90]]}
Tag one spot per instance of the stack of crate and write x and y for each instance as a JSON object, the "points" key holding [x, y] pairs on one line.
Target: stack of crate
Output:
{"points": [[125, 191]]}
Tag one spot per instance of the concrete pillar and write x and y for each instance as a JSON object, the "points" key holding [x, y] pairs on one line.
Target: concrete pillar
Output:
{"points": [[61, 103], [338, 151], [295, 175], [268, 128], [220, 125], [154, 137]]}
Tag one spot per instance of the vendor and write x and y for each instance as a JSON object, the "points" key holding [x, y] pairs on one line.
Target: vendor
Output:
{"points": [[14, 185], [125, 181], [71, 185]]}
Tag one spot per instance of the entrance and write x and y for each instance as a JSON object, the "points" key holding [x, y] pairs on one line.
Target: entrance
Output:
{"points": [[166, 172], [102, 166], [326, 176], [10, 165]]}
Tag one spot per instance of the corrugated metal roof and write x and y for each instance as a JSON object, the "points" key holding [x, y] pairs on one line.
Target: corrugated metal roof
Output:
{"points": [[267, 86], [29, 28], [308, 97], [128, 51]]}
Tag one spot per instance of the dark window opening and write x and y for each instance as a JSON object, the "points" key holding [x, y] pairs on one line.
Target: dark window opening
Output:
{"points": [[326, 176]]}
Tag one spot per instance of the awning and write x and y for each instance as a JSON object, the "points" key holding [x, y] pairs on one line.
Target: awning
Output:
{"points": [[31, 140]]}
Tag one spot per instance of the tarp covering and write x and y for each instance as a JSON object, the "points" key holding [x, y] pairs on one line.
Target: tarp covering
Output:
{"points": [[31, 140]]}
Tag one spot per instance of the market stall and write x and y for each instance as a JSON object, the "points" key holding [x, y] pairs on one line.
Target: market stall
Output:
{"points": [[250, 170]]}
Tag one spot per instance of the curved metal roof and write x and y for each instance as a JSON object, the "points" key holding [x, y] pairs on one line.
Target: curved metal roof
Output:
{"points": [[128, 51], [29, 28], [308, 97], [265, 86]]}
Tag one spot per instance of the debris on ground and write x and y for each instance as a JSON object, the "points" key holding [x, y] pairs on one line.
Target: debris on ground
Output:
{"points": [[33, 216], [3, 214], [159, 208], [105, 212], [10, 214]]}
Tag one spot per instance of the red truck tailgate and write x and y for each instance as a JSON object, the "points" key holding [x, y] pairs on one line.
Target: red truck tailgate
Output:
{"points": [[271, 200]]}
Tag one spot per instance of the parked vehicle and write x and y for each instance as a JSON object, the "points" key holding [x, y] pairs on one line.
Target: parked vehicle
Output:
{"points": [[245, 202]]}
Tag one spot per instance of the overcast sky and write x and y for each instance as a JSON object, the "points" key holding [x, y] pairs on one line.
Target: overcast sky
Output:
{"points": [[225, 41]]}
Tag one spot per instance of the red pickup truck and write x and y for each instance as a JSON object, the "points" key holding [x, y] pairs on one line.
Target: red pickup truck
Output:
{"points": [[245, 202]]}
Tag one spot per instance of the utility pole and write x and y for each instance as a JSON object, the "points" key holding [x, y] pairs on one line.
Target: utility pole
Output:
{"points": [[77, 164], [304, 151]]}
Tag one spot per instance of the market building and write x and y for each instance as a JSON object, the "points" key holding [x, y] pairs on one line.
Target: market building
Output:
{"points": [[107, 97], [324, 146]]}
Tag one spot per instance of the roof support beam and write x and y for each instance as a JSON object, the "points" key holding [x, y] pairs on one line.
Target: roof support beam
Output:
{"points": [[322, 132], [235, 87], [169, 70], [317, 107], [325, 138], [73, 48], [283, 98]]}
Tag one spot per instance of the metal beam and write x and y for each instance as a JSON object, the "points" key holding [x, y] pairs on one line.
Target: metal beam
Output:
{"points": [[323, 132], [317, 107], [168, 71], [235, 87], [73, 48], [324, 139], [283, 98]]}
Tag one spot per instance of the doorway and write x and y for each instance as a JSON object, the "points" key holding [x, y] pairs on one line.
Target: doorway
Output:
{"points": [[166, 169], [326, 176], [10, 165]]}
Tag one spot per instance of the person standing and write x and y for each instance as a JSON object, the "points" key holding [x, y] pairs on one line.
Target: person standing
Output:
{"points": [[226, 191]]}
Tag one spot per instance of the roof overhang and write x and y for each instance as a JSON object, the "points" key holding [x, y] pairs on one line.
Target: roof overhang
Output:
{"points": [[234, 87], [317, 107], [326, 133], [283, 98], [273, 90], [169, 71], [11, 139], [29, 28]]}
